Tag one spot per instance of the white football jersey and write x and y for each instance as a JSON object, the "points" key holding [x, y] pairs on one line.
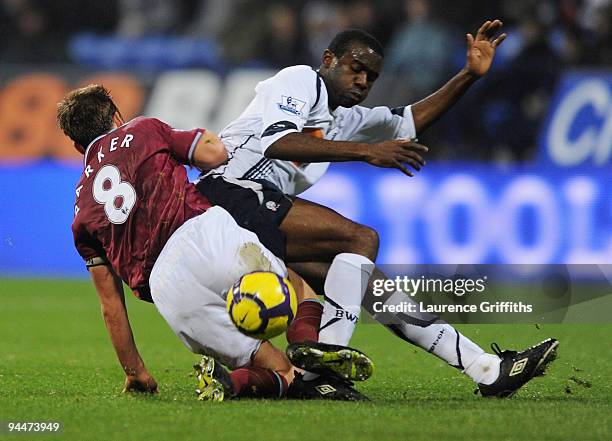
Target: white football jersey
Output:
{"points": [[295, 100]]}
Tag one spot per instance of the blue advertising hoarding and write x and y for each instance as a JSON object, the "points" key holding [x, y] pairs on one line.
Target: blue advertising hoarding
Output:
{"points": [[453, 213], [556, 210], [578, 130]]}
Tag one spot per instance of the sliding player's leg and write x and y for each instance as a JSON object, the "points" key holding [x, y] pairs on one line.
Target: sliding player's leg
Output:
{"points": [[424, 330], [490, 371], [500, 374], [437, 337], [317, 233]]}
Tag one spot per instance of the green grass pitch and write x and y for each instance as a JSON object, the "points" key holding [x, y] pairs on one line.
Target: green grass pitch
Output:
{"points": [[57, 364]]}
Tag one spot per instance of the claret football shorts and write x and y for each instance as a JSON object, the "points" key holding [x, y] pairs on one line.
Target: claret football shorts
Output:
{"points": [[190, 279]]}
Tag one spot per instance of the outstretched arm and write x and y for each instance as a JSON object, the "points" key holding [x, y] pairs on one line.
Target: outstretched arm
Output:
{"points": [[480, 54], [388, 154], [110, 290]]}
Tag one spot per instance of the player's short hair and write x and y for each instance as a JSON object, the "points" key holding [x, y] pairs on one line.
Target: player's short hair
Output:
{"points": [[343, 40], [86, 113]]}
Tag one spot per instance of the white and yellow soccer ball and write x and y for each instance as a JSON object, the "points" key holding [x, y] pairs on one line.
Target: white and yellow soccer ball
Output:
{"points": [[262, 304]]}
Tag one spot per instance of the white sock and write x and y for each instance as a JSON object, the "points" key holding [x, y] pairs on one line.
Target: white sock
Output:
{"points": [[485, 369], [345, 286], [441, 339]]}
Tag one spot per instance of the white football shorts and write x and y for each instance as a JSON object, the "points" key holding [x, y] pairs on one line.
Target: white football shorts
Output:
{"points": [[191, 276]]}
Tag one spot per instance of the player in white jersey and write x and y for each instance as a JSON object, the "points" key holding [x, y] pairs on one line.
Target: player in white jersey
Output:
{"points": [[268, 150], [296, 100]]}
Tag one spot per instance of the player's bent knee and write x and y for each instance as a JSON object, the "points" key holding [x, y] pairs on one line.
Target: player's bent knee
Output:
{"points": [[372, 239], [351, 237], [364, 241]]}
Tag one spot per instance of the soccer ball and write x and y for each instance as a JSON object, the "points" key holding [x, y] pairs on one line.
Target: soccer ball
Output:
{"points": [[262, 304]]}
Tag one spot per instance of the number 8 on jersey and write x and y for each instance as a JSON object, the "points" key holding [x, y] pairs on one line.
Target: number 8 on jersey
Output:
{"points": [[108, 188]]}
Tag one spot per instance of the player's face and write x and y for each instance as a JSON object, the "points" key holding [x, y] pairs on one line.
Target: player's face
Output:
{"points": [[350, 77]]}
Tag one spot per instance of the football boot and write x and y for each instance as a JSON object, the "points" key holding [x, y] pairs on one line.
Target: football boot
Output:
{"points": [[347, 363], [323, 388], [214, 382], [517, 368]]}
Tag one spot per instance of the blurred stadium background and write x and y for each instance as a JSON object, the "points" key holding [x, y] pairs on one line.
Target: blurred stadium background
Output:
{"points": [[519, 171]]}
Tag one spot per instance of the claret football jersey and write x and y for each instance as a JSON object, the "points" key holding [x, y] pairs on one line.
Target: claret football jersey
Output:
{"points": [[133, 194]]}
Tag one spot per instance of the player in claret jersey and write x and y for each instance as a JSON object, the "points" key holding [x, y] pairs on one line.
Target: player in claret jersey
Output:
{"points": [[138, 219]]}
